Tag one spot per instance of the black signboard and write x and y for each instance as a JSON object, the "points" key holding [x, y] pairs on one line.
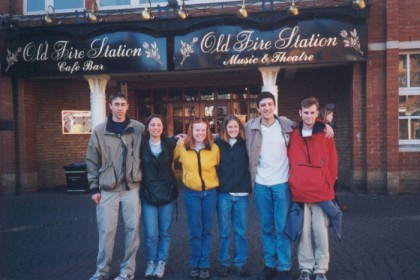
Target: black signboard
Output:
{"points": [[58, 54], [305, 42]]}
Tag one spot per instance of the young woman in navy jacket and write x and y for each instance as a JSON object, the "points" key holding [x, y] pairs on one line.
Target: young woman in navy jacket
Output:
{"points": [[233, 195]]}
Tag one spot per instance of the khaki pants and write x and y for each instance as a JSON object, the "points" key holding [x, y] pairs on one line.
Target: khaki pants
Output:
{"points": [[313, 252], [107, 218]]}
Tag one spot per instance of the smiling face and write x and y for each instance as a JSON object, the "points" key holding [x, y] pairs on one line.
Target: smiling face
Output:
{"points": [[232, 129], [266, 108], [199, 132], [118, 107], [155, 128], [309, 116]]}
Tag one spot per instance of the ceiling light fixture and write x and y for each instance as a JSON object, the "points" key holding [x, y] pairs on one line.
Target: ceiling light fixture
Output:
{"points": [[242, 12], [147, 12], [182, 13], [92, 15], [293, 10], [50, 18], [359, 4]]}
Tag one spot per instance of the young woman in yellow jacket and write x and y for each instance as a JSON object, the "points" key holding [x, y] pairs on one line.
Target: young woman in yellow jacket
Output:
{"points": [[199, 158]]}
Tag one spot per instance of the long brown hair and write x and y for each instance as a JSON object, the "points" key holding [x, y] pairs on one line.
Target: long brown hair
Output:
{"points": [[323, 113], [146, 132], [224, 135], [189, 141]]}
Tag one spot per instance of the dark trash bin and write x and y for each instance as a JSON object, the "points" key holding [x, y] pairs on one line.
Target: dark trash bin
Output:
{"points": [[76, 176]]}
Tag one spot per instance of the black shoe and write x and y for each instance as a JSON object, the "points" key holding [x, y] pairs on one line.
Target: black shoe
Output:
{"points": [[320, 276], [284, 275], [305, 275], [268, 273], [242, 271], [194, 273], [222, 271], [204, 273]]}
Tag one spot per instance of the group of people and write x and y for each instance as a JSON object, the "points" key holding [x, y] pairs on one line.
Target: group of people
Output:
{"points": [[129, 166]]}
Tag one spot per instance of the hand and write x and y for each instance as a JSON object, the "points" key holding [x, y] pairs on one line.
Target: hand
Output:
{"points": [[96, 198], [329, 131], [181, 136]]}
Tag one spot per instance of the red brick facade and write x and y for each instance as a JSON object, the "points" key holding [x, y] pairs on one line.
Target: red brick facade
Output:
{"points": [[366, 95]]}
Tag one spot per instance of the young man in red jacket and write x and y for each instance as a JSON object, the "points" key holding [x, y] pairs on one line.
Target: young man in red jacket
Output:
{"points": [[313, 170]]}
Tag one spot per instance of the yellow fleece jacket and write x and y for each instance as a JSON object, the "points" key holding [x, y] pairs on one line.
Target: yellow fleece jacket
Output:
{"points": [[198, 168]]}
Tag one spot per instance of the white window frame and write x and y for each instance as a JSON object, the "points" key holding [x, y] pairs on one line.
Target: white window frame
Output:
{"points": [[47, 9], [408, 144], [133, 4]]}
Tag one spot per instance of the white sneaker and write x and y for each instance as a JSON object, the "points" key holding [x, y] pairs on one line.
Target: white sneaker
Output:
{"points": [[98, 276], [160, 269], [124, 276], [150, 269]]}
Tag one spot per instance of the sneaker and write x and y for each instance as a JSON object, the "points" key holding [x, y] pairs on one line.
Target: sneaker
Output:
{"points": [[320, 276], [124, 276], [242, 271], [98, 276], [150, 269], [222, 271], [268, 273], [194, 273], [304, 275], [159, 269], [284, 275], [204, 273]]}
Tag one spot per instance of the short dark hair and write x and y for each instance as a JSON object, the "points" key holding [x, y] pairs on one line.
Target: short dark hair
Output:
{"points": [[117, 95], [308, 102], [263, 95]]}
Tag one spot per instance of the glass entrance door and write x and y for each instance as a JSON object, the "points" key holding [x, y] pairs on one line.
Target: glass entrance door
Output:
{"points": [[180, 106]]}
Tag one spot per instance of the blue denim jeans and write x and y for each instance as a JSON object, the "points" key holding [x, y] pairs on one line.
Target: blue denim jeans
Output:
{"points": [[200, 207], [157, 223], [272, 205], [232, 210]]}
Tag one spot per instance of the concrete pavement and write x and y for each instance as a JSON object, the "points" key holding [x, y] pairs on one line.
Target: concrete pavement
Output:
{"points": [[52, 235]]}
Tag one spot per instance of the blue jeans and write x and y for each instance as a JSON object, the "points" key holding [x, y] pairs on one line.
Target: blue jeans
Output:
{"points": [[200, 207], [232, 209], [272, 205], [157, 223]]}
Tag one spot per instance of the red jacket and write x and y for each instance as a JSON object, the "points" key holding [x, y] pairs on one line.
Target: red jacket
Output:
{"points": [[313, 165]]}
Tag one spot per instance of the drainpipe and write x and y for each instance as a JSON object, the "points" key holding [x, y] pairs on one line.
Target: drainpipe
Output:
{"points": [[15, 92]]}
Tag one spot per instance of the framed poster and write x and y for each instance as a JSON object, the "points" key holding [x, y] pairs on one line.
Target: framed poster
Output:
{"points": [[76, 122]]}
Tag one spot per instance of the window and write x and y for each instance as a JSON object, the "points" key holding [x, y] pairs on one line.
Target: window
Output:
{"points": [[115, 4], [180, 106], [409, 98], [41, 6]]}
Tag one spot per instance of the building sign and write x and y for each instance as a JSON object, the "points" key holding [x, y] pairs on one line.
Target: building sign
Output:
{"points": [[58, 54], [306, 42]]}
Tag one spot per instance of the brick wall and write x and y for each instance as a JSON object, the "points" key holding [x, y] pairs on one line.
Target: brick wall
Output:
{"points": [[7, 138], [409, 26], [329, 85], [54, 149]]}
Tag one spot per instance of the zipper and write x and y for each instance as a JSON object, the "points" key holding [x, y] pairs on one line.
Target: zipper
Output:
{"points": [[203, 186]]}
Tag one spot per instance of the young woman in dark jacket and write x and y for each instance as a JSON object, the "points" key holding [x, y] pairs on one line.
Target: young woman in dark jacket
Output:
{"points": [[158, 194], [233, 196]]}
